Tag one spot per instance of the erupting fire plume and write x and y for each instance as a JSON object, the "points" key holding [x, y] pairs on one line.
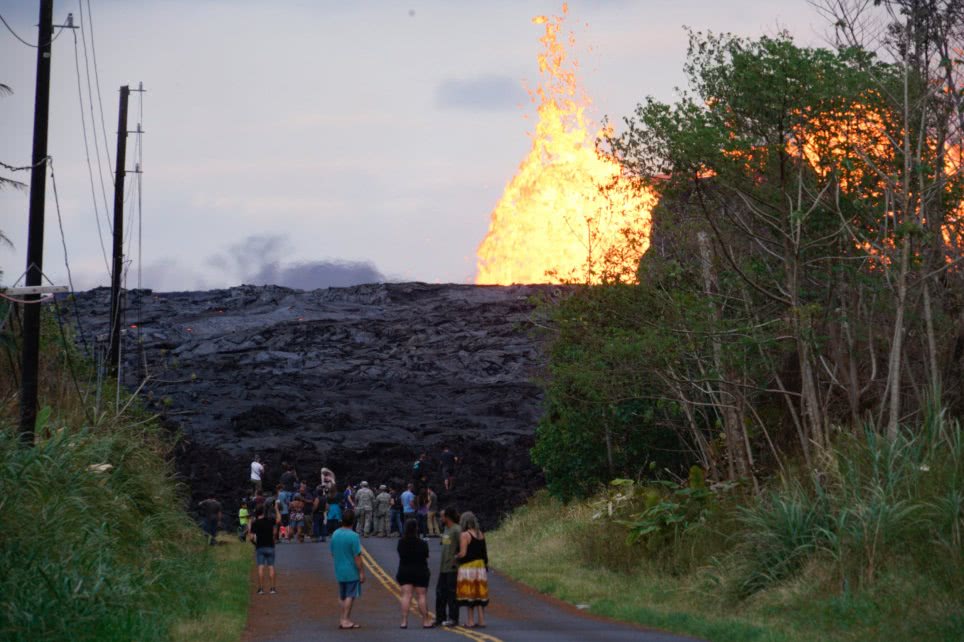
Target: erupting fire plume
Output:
{"points": [[570, 213]]}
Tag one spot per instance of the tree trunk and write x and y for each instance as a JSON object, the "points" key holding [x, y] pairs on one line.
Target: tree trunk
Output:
{"points": [[732, 424], [897, 345]]}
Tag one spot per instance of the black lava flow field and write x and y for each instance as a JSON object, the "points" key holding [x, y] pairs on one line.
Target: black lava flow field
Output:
{"points": [[359, 379]]}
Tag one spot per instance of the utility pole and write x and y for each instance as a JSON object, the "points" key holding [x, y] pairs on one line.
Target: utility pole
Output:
{"points": [[115, 283], [35, 231]]}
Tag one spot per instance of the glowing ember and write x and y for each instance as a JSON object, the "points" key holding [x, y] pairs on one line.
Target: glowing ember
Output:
{"points": [[569, 214]]}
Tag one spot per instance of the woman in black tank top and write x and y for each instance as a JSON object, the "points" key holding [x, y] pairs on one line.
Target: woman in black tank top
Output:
{"points": [[472, 581]]}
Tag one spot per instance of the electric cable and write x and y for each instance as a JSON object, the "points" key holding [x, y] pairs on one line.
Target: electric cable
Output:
{"points": [[63, 241], [93, 120], [11, 168], [70, 362], [100, 101], [29, 44], [90, 167]]}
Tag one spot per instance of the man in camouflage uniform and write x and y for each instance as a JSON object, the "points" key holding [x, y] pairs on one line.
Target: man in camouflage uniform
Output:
{"points": [[364, 507], [383, 504]]}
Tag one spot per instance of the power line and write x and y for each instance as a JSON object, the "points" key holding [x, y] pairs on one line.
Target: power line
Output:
{"points": [[90, 167], [29, 44], [11, 168], [93, 120], [100, 102], [63, 241]]}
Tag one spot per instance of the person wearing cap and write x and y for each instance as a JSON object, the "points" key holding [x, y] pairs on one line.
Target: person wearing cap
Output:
{"points": [[383, 505], [364, 507]]}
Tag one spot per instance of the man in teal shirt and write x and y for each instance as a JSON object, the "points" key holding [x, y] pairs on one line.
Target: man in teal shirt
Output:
{"points": [[346, 554]]}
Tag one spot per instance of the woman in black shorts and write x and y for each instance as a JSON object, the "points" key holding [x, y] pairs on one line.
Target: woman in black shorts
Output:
{"points": [[413, 573]]}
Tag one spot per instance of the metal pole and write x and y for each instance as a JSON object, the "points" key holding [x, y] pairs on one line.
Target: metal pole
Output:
{"points": [[35, 231], [115, 284]]}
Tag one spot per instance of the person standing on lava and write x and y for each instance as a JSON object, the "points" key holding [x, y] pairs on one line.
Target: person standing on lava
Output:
{"points": [[449, 461], [420, 471], [257, 474]]}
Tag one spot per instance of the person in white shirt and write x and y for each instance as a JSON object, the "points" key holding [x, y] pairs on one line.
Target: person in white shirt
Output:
{"points": [[257, 472]]}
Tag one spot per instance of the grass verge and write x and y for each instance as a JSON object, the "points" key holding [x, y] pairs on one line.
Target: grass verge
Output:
{"points": [[222, 616]]}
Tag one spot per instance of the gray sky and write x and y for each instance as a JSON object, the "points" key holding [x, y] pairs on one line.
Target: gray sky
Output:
{"points": [[323, 141]]}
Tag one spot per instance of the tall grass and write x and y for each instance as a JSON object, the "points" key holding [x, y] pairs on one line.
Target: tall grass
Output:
{"points": [[93, 555], [94, 540], [870, 504], [864, 546]]}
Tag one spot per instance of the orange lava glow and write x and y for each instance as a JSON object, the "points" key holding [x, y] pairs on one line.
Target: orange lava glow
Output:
{"points": [[570, 214], [829, 141]]}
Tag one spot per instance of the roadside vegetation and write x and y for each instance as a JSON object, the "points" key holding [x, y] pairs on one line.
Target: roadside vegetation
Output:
{"points": [[759, 437], [95, 540], [868, 548]]}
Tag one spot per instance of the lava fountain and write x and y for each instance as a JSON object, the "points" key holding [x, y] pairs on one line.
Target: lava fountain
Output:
{"points": [[570, 214]]}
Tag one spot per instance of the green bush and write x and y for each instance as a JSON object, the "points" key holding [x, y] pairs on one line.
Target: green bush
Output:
{"points": [[94, 544]]}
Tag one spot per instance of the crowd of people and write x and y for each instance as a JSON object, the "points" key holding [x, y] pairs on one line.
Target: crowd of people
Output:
{"points": [[313, 512], [299, 511]]}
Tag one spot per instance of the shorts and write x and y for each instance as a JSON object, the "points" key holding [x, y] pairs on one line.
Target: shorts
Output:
{"points": [[446, 473], [284, 519], [349, 589], [264, 555], [295, 523]]}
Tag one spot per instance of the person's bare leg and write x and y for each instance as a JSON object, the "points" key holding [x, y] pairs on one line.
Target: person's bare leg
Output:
{"points": [[470, 616], [423, 607], [406, 603], [271, 576], [261, 576], [346, 613], [481, 617]]}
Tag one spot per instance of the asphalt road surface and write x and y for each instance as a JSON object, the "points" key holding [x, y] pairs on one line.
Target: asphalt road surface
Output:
{"points": [[306, 606]]}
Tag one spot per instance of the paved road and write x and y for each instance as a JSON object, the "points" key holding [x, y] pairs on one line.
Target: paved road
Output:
{"points": [[306, 606]]}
